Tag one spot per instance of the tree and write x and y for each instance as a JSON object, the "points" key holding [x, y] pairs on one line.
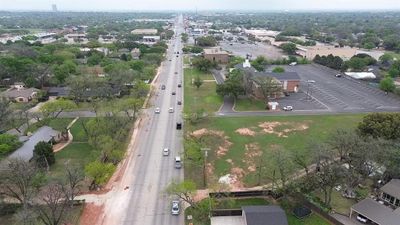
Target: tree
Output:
{"points": [[268, 87], [20, 181], [282, 164], [73, 179], [54, 204], [391, 42], [329, 173], [43, 154], [184, 37], [130, 106], [387, 84], [54, 108], [197, 82], [8, 143], [233, 85], [5, 112], [278, 69], [206, 41], [99, 172], [289, 48], [259, 63], [184, 190], [202, 64], [380, 125]]}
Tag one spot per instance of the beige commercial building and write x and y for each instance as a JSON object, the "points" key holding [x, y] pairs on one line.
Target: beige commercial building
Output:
{"points": [[310, 52], [145, 31], [216, 55]]}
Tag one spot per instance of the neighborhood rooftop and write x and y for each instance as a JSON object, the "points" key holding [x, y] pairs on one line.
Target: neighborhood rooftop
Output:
{"points": [[261, 215], [377, 212], [392, 188]]}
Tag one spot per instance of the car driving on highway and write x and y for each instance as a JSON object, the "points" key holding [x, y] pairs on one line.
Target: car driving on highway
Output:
{"points": [[175, 207], [157, 110]]}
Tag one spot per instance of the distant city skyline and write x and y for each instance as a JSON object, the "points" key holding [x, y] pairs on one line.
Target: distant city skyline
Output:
{"points": [[156, 5]]}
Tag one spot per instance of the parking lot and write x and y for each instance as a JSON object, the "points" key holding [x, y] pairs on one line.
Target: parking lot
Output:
{"points": [[337, 94], [256, 49]]}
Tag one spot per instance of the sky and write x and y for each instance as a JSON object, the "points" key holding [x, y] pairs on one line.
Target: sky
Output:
{"points": [[155, 5]]}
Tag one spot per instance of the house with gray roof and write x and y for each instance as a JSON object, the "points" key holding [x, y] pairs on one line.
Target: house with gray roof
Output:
{"points": [[20, 94], [383, 211], [390, 193], [254, 215]]}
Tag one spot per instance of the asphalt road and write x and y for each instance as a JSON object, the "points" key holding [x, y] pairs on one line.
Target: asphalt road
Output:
{"points": [[145, 202]]}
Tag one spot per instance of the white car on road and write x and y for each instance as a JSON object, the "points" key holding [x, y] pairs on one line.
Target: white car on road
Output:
{"points": [[166, 152], [171, 110], [288, 108], [175, 208], [157, 110]]}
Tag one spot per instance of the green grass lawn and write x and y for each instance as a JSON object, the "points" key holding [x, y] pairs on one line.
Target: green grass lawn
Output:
{"points": [[191, 72], [249, 105], [294, 133], [338, 203], [203, 98], [57, 124], [313, 219]]}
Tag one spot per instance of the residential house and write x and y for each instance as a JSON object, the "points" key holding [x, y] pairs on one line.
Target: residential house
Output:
{"points": [[290, 81], [76, 38], [385, 209], [390, 193], [135, 53], [254, 215], [56, 92], [20, 94], [216, 55]]}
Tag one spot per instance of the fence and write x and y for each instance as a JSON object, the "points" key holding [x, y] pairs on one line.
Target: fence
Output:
{"points": [[226, 212], [237, 194]]}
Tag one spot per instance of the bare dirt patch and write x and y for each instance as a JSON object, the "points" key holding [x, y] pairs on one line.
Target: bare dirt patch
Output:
{"points": [[90, 214], [252, 154], [223, 148], [272, 127], [245, 132]]}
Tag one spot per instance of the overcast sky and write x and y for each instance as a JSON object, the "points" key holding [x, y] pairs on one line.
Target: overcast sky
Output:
{"points": [[150, 5]]}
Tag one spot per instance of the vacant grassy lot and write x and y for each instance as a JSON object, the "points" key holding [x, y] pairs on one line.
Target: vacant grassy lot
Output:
{"points": [[195, 72], [249, 105], [239, 145], [203, 98]]}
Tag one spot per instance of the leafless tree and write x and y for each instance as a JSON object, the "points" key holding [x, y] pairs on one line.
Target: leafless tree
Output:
{"points": [[269, 87], [20, 180], [52, 205], [72, 183]]}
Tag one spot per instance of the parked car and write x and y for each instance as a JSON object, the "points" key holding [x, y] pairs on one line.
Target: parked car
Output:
{"points": [[338, 75], [166, 152], [157, 110], [362, 219], [171, 110], [288, 108], [175, 207], [293, 63]]}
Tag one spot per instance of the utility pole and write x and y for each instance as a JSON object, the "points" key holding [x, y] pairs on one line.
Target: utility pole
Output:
{"points": [[204, 165]]}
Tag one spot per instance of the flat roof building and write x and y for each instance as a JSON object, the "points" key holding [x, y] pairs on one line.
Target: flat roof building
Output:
{"points": [[144, 31], [216, 55]]}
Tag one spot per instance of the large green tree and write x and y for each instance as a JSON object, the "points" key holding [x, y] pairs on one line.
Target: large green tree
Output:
{"points": [[43, 154]]}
